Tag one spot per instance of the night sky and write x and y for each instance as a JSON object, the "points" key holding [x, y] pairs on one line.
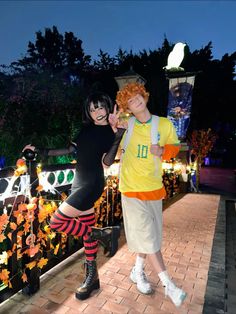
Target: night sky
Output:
{"points": [[110, 25]]}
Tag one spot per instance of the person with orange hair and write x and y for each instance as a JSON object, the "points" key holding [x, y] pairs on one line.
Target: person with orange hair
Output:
{"points": [[142, 189]]}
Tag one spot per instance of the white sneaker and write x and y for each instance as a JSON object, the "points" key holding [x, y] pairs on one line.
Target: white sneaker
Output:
{"points": [[140, 279], [176, 294]]}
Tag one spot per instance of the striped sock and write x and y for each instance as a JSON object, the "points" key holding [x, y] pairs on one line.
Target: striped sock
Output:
{"points": [[90, 246], [69, 225]]}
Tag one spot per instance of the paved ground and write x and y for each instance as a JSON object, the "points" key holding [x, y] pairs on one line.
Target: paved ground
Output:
{"points": [[194, 252], [230, 304], [219, 181], [220, 294]]}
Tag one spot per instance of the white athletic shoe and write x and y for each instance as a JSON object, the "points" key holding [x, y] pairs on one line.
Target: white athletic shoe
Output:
{"points": [[176, 294], [140, 279]]}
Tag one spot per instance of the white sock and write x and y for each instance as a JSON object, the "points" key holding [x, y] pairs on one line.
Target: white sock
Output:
{"points": [[164, 277], [139, 264]]}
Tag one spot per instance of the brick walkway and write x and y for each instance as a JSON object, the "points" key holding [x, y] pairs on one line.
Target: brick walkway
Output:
{"points": [[189, 226]]}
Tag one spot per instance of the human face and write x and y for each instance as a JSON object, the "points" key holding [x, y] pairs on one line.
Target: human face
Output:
{"points": [[98, 113], [137, 104]]}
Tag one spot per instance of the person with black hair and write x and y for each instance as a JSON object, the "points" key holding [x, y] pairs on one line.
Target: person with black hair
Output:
{"points": [[96, 146]]}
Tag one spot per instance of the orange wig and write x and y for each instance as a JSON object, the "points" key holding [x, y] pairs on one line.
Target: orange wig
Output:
{"points": [[128, 91]]}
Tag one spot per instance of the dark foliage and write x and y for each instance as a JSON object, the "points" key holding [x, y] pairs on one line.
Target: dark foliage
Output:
{"points": [[41, 95]]}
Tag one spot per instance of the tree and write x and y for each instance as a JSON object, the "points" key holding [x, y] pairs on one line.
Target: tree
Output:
{"points": [[201, 143], [105, 62], [54, 77], [53, 52], [42, 98]]}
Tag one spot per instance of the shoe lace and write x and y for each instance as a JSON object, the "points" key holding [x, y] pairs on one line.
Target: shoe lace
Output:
{"points": [[143, 276], [90, 273]]}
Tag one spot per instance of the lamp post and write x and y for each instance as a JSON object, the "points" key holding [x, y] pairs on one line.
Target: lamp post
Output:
{"points": [[181, 85], [129, 77], [180, 100]]}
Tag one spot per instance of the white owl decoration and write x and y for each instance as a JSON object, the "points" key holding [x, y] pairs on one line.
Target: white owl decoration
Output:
{"points": [[175, 57]]}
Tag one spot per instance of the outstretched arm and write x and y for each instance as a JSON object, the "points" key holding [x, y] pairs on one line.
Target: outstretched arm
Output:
{"points": [[62, 151], [47, 152]]}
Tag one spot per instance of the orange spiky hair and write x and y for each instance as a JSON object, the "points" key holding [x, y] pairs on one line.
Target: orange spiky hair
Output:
{"points": [[129, 91]]}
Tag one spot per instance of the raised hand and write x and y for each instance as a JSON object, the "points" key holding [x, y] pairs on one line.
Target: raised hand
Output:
{"points": [[113, 118]]}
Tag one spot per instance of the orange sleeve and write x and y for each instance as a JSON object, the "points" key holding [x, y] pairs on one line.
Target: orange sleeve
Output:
{"points": [[170, 151]]}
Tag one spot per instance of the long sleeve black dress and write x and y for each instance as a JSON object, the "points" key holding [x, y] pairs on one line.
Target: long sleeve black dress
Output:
{"points": [[92, 143]]}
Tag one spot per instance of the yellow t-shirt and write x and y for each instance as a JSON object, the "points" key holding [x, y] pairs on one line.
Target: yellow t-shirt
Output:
{"points": [[138, 169]]}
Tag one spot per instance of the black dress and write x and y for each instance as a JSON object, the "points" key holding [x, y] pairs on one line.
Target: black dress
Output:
{"points": [[92, 142]]}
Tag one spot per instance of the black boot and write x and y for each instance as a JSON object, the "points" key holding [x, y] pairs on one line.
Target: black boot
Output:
{"points": [[90, 283], [108, 237]]}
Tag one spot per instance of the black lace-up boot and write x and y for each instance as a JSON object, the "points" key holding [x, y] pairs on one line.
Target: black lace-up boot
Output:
{"points": [[108, 237], [90, 283]]}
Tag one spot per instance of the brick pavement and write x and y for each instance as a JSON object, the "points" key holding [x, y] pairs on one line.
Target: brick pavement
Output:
{"points": [[189, 226], [230, 262]]}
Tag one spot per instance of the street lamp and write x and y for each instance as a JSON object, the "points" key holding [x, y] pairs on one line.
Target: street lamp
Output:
{"points": [[129, 77], [181, 85], [180, 100]]}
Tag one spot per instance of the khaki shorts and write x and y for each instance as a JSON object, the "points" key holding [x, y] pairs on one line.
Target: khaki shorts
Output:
{"points": [[143, 224]]}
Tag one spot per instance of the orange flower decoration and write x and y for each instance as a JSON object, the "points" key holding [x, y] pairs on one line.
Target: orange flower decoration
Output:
{"points": [[4, 276], [20, 163], [31, 206], [24, 277], [34, 200], [2, 237], [3, 221], [33, 250], [21, 167], [22, 206], [31, 264], [42, 262], [39, 188]]}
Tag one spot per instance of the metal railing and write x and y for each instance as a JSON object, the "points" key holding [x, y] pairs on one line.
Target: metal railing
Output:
{"points": [[28, 248]]}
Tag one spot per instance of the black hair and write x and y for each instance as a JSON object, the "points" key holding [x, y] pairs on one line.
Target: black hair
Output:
{"points": [[98, 99]]}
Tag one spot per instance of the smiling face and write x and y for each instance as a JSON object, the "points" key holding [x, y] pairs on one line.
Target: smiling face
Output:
{"points": [[97, 107], [130, 91], [137, 104], [98, 113]]}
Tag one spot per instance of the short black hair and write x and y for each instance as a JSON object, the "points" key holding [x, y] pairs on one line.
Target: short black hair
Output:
{"points": [[97, 98]]}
